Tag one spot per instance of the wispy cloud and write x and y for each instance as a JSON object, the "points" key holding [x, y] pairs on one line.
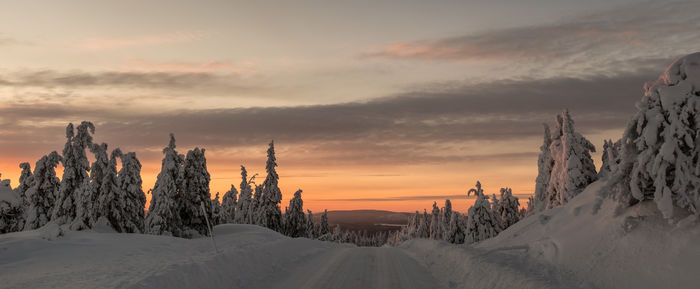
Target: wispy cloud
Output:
{"points": [[146, 66], [641, 30], [105, 43]]}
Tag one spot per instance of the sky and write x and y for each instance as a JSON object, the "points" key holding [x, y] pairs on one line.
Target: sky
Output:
{"points": [[371, 104]]}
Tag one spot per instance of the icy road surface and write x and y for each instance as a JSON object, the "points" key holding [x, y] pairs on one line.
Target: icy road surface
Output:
{"points": [[361, 268]]}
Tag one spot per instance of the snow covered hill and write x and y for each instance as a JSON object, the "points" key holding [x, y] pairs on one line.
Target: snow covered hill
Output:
{"points": [[570, 247]]}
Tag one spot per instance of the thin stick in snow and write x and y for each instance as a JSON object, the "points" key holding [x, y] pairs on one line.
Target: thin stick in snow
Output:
{"points": [[211, 234]]}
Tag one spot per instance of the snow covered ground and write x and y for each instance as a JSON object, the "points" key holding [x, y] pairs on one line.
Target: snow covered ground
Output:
{"points": [[566, 247]]}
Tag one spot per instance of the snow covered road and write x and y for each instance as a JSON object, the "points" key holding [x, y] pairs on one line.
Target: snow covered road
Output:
{"points": [[249, 257], [361, 268]]}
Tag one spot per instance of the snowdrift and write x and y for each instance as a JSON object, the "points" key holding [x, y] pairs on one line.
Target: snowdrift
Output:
{"points": [[250, 257], [570, 247]]}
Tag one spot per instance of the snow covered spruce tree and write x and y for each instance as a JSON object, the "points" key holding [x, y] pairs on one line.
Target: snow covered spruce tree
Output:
{"points": [[573, 167], [255, 209], [25, 181], [545, 163], [661, 145], [129, 182], [456, 231], [565, 166], [42, 192], [435, 232], [163, 214], [75, 171], [311, 228], [508, 210], [481, 221], [11, 218], [295, 220], [193, 194], [446, 219], [324, 228], [243, 213], [611, 158], [271, 216], [87, 203], [216, 214], [228, 206], [111, 199]]}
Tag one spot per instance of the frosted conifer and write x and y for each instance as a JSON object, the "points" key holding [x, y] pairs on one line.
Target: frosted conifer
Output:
{"points": [[324, 227], [573, 166], [42, 191], [271, 216], [295, 222], [75, 171], [481, 222], [163, 215], [130, 184], [195, 192], [228, 206]]}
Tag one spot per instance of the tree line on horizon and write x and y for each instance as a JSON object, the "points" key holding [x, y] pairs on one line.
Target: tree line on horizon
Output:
{"points": [[565, 168]]}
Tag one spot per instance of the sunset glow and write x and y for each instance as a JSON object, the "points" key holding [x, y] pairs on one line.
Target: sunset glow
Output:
{"points": [[378, 106]]}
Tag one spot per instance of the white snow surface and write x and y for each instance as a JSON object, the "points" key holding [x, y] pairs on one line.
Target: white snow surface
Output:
{"points": [[565, 247], [569, 247]]}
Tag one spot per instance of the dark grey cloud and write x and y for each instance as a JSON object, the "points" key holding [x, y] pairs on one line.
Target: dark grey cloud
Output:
{"points": [[428, 125], [171, 81], [651, 29]]}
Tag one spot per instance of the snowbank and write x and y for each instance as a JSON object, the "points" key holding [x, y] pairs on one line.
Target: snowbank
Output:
{"points": [[570, 247], [250, 257]]}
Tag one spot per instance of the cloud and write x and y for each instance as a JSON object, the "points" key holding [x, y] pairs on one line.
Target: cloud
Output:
{"points": [[226, 67], [427, 125], [105, 43], [646, 30]]}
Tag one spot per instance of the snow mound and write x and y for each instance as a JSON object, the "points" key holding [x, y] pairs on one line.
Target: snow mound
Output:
{"points": [[569, 247]]}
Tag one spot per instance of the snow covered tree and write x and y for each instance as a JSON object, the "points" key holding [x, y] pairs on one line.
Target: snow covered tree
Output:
{"points": [[311, 228], [163, 214], [497, 208], [295, 220], [195, 192], [216, 213], [87, 196], [228, 206], [243, 212], [42, 191], [610, 157], [324, 228], [660, 157], [111, 199], [75, 171], [508, 209], [573, 168], [481, 221], [130, 183], [446, 219], [423, 230], [435, 232], [255, 209], [11, 219], [271, 216], [455, 232], [545, 163], [25, 181]]}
